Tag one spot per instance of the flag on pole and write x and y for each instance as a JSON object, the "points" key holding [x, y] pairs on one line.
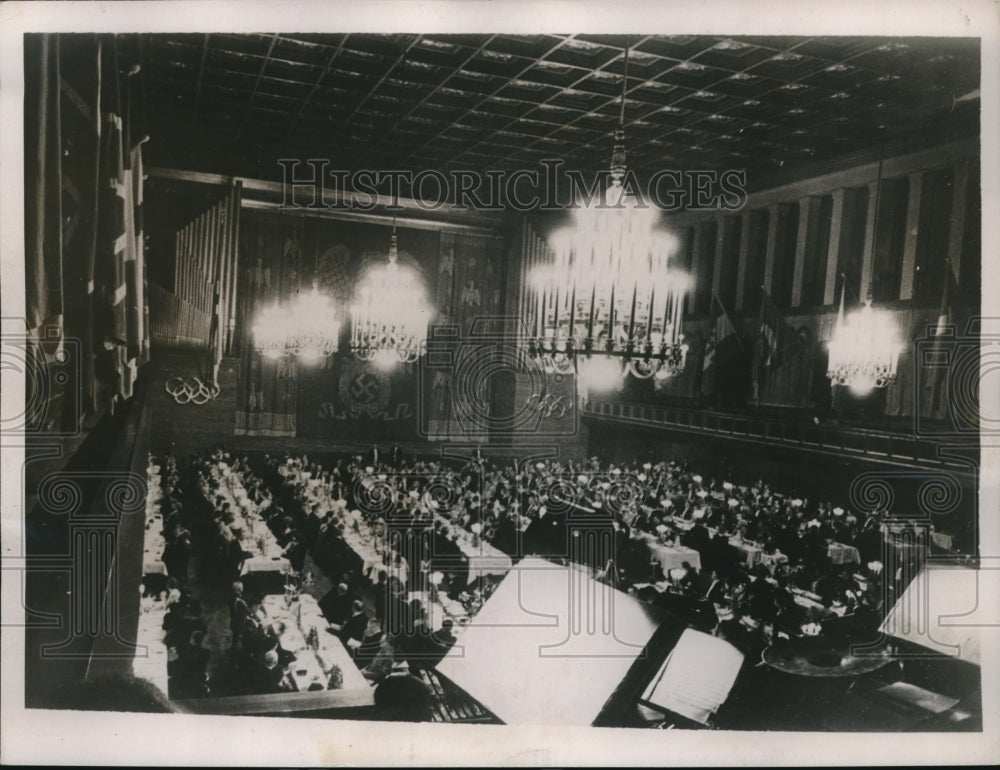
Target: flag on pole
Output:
{"points": [[111, 325], [776, 340], [945, 324], [721, 344], [770, 335]]}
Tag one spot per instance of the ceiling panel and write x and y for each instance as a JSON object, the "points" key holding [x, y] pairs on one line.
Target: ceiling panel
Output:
{"points": [[487, 100]]}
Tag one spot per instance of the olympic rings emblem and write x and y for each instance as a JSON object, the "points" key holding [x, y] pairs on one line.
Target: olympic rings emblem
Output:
{"points": [[191, 390]]}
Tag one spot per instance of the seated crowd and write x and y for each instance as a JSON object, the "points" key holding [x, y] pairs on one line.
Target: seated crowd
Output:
{"points": [[792, 584], [393, 536]]}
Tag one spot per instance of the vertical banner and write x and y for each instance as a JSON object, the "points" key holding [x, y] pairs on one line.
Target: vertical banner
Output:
{"points": [[469, 290], [84, 274]]}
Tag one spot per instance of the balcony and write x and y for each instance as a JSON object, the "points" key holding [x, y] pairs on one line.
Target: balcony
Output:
{"points": [[828, 439]]}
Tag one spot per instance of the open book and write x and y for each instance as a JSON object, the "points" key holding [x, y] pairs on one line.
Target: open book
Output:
{"points": [[696, 678]]}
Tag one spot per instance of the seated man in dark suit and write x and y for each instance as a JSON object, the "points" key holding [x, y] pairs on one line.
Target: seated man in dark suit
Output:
{"points": [[336, 605], [352, 632], [268, 675], [295, 552], [716, 591], [238, 612], [442, 640], [256, 640], [697, 538], [402, 697], [188, 674]]}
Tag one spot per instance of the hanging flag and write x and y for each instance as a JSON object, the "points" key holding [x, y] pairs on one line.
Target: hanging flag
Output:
{"points": [[80, 118], [769, 333], [43, 194], [721, 345], [216, 332], [937, 384], [135, 266], [110, 322], [776, 341]]}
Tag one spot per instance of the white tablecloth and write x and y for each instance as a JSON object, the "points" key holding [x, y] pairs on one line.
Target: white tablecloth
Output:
{"points": [[444, 607], [153, 542], [843, 554], [814, 607], [672, 556], [484, 558], [772, 560], [266, 564], [372, 548], [311, 666], [255, 536], [150, 661]]}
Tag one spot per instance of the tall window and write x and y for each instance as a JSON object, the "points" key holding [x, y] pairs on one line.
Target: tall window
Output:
{"points": [[705, 262], [817, 245], [756, 249], [784, 254], [852, 242], [889, 240], [730, 261], [970, 275], [934, 229]]}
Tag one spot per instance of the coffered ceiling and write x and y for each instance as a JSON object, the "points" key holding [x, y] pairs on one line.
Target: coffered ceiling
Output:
{"points": [[772, 105]]}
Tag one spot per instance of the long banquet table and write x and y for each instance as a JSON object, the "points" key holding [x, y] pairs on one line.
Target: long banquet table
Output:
{"points": [[150, 659], [256, 538], [313, 666], [153, 542], [371, 546], [483, 557]]}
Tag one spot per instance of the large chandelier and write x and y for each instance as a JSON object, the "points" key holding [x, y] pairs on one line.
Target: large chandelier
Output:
{"points": [[610, 296], [864, 349], [389, 316], [306, 328]]}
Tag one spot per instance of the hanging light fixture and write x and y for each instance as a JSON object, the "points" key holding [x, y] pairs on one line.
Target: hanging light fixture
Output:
{"points": [[306, 328], [610, 297], [864, 348], [271, 331], [389, 316]]}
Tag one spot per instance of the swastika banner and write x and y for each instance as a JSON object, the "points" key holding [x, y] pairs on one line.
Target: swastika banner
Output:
{"points": [[353, 399]]}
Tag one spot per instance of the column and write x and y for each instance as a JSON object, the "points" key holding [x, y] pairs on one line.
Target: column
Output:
{"points": [[723, 226], [833, 249], [744, 257], [867, 261], [697, 242], [912, 235], [774, 214], [808, 219], [959, 192]]}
